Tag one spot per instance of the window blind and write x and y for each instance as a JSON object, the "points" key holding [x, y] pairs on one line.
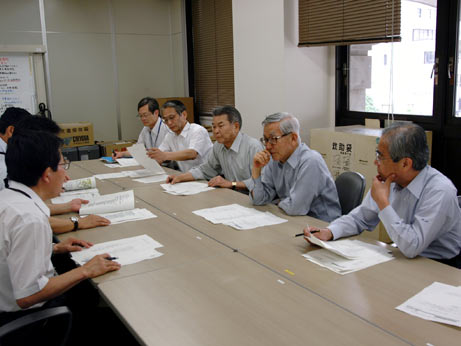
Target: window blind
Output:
{"points": [[341, 22], [213, 54]]}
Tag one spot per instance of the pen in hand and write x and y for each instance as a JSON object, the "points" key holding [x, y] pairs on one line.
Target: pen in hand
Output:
{"points": [[300, 234], [110, 258]]}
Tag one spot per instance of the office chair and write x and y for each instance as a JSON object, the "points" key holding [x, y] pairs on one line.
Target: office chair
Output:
{"points": [[350, 187], [45, 327]]}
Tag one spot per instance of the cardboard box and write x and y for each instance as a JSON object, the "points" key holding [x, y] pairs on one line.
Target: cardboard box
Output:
{"points": [[352, 148], [107, 147], [76, 134]]}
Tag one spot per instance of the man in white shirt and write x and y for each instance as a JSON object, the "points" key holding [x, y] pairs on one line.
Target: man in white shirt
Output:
{"points": [[187, 144], [416, 203], [35, 173], [9, 119], [154, 130]]}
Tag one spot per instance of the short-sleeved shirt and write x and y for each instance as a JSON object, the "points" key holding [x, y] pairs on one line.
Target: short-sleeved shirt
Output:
{"points": [[153, 138], [25, 246], [423, 218], [192, 136], [3, 171], [234, 163], [303, 184]]}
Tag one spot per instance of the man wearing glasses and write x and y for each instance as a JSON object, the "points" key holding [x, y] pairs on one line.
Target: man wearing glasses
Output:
{"points": [[416, 203], [187, 144], [291, 174], [231, 156], [154, 130]]}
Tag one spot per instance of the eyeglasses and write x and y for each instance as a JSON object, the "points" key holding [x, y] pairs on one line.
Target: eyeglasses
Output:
{"points": [[143, 115], [170, 118], [380, 157], [272, 140], [65, 164]]}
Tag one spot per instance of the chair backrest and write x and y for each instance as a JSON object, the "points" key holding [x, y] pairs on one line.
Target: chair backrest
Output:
{"points": [[45, 327], [350, 186]]}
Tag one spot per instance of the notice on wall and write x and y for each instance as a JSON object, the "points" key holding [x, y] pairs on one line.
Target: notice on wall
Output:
{"points": [[341, 158], [17, 85]]}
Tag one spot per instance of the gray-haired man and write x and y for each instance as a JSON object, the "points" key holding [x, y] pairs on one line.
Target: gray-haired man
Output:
{"points": [[292, 173], [416, 203]]}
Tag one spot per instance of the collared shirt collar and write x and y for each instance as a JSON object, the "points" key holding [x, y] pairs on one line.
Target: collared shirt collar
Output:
{"points": [[3, 145], [185, 130], [36, 198], [236, 144], [417, 184], [294, 157]]}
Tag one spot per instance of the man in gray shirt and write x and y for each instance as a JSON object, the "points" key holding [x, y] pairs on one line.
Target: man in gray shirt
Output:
{"points": [[416, 203], [291, 174], [231, 156]]}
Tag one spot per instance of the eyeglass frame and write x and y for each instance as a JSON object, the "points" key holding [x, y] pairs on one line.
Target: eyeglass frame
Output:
{"points": [[65, 164], [273, 140], [379, 156]]}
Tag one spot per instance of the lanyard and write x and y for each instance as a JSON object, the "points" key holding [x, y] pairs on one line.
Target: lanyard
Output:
{"points": [[158, 131], [16, 190]]}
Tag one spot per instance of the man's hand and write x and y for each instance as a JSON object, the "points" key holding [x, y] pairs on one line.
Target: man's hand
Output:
{"points": [[261, 159], [76, 204], [173, 179], [92, 221], [157, 155], [71, 244], [380, 191], [99, 265], [118, 154], [321, 233], [219, 181]]}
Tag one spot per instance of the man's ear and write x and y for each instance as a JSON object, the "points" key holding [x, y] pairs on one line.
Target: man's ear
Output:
{"points": [[407, 163], [294, 137], [46, 175], [184, 113], [9, 131]]}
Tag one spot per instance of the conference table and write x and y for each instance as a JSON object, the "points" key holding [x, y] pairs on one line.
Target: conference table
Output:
{"points": [[216, 285]]}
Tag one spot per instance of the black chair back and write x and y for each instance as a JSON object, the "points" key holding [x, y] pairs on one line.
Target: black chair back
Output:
{"points": [[350, 187]]}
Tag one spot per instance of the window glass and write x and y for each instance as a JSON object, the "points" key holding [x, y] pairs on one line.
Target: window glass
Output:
{"points": [[398, 73]]}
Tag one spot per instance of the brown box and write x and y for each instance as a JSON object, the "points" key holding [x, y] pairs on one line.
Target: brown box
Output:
{"points": [[107, 147], [188, 102], [352, 148], [76, 134]]}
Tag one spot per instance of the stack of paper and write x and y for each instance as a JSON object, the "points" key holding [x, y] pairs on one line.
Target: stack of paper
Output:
{"points": [[437, 302], [239, 217], [185, 189], [126, 162], [117, 207], [64, 197], [80, 184], [126, 251], [347, 256], [138, 151]]}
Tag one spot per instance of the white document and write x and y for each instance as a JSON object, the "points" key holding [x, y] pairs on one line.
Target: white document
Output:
{"points": [[366, 255], [80, 184], [112, 165], [65, 198], [139, 173], [109, 203], [239, 217], [127, 162], [126, 251], [138, 151], [128, 215], [111, 175], [438, 302], [153, 179], [185, 189], [345, 248]]}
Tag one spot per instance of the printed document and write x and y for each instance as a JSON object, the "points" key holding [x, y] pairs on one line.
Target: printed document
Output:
{"points": [[438, 302], [127, 250], [185, 189], [359, 254], [128, 215], [126, 162], [239, 217], [153, 179], [80, 184], [68, 196], [138, 151], [109, 203]]}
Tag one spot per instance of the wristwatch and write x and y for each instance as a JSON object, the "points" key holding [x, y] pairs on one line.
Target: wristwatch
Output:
{"points": [[74, 219], [234, 185]]}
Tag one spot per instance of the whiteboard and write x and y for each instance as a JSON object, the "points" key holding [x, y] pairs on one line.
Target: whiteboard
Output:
{"points": [[17, 82]]}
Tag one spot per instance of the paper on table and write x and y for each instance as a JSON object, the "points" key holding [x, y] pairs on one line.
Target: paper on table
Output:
{"points": [[67, 198], [438, 302], [153, 179], [139, 173], [127, 162], [110, 175], [127, 250], [185, 189], [369, 255], [109, 203], [128, 215], [80, 184], [138, 151], [344, 248], [239, 217]]}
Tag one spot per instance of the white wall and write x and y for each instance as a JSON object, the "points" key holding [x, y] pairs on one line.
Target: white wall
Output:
{"points": [[272, 74]]}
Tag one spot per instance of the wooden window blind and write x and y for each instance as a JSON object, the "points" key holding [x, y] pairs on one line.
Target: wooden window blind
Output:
{"points": [[213, 54], [342, 22]]}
